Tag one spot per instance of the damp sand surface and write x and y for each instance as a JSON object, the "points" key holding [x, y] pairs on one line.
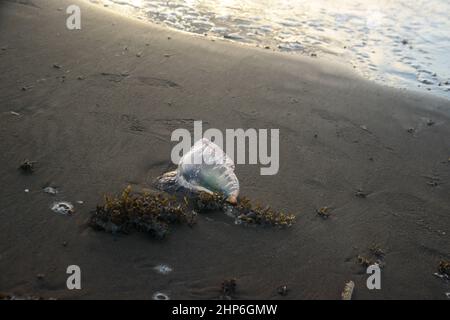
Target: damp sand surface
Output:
{"points": [[376, 157]]}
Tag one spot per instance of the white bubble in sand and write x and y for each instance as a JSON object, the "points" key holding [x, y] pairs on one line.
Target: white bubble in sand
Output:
{"points": [[62, 207]]}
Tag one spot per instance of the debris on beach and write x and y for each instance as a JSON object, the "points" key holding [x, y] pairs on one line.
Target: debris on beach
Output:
{"points": [[152, 213], [6, 296], [441, 276], [365, 261], [163, 269], [228, 288], [246, 212], [27, 166], [433, 181], [430, 122], [375, 256], [377, 251], [160, 296], [63, 207], [208, 185], [204, 202], [411, 130], [57, 66], [444, 268], [282, 290], [26, 88], [14, 113], [50, 190], [323, 212], [361, 194], [206, 175], [347, 293]]}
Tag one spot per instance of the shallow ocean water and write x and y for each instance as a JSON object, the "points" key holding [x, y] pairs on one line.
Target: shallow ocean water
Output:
{"points": [[405, 44]]}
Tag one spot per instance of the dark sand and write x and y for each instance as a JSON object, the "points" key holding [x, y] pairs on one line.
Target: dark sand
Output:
{"points": [[97, 135]]}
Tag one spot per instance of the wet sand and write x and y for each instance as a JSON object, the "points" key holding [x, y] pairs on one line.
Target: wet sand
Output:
{"points": [[102, 117]]}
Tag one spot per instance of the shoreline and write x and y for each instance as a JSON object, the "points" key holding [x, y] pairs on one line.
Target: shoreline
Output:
{"points": [[325, 55], [95, 109]]}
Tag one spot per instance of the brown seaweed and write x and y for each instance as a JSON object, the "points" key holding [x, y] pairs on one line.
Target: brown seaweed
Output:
{"points": [[248, 213], [444, 267], [152, 213]]}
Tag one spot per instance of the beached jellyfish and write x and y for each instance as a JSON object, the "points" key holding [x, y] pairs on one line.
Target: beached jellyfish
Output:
{"points": [[205, 168]]}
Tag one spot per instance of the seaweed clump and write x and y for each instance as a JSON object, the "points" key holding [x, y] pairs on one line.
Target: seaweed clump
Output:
{"points": [[209, 202], [444, 267], [365, 261], [248, 213], [152, 213], [323, 212]]}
